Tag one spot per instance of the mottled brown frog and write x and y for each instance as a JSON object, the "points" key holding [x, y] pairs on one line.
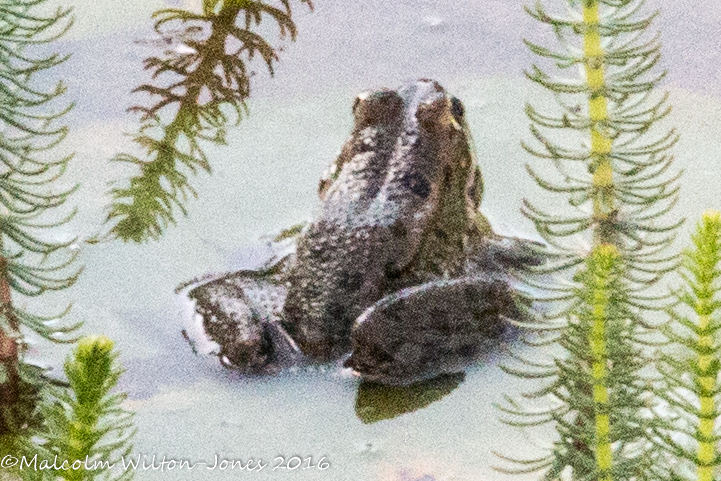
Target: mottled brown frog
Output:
{"points": [[399, 265]]}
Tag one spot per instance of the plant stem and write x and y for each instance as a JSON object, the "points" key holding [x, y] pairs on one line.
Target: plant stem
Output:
{"points": [[601, 142], [603, 426], [603, 206], [9, 354], [9, 360], [707, 370], [597, 343]]}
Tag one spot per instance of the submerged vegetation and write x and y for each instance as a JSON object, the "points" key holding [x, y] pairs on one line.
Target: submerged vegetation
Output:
{"points": [[206, 86]]}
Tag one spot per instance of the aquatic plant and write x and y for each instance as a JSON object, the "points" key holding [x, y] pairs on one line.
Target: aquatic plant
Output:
{"points": [[84, 423], [613, 166], [691, 386], [31, 190], [208, 85], [598, 398], [619, 180]]}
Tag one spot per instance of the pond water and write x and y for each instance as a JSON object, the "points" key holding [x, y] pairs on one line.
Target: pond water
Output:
{"points": [[265, 179]]}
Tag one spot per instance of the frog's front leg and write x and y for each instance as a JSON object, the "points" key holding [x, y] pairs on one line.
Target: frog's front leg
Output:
{"points": [[438, 327]]}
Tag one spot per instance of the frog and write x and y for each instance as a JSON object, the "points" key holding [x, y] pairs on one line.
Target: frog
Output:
{"points": [[399, 267]]}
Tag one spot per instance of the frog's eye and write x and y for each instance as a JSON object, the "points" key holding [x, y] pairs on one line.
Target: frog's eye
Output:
{"points": [[430, 112], [457, 109], [383, 106]]}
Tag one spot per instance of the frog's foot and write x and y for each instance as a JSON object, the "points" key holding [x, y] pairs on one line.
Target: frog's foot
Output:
{"points": [[435, 328], [499, 254], [240, 313]]}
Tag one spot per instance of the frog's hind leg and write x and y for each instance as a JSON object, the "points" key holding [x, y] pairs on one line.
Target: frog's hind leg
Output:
{"points": [[435, 328], [240, 313]]}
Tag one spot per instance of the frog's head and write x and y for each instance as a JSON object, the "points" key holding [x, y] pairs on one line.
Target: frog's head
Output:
{"points": [[415, 141], [408, 167]]}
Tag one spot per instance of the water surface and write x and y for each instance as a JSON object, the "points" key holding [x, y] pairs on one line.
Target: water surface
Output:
{"points": [[265, 180]]}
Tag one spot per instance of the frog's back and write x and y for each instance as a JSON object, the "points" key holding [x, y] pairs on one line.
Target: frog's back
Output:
{"points": [[399, 207]]}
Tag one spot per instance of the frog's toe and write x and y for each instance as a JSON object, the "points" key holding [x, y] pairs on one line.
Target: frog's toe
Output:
{"points": [[435, 328], [500, 253], [285, 350]]}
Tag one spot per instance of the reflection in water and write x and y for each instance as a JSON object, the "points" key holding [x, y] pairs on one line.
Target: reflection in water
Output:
{"points": [[376, 402]]}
